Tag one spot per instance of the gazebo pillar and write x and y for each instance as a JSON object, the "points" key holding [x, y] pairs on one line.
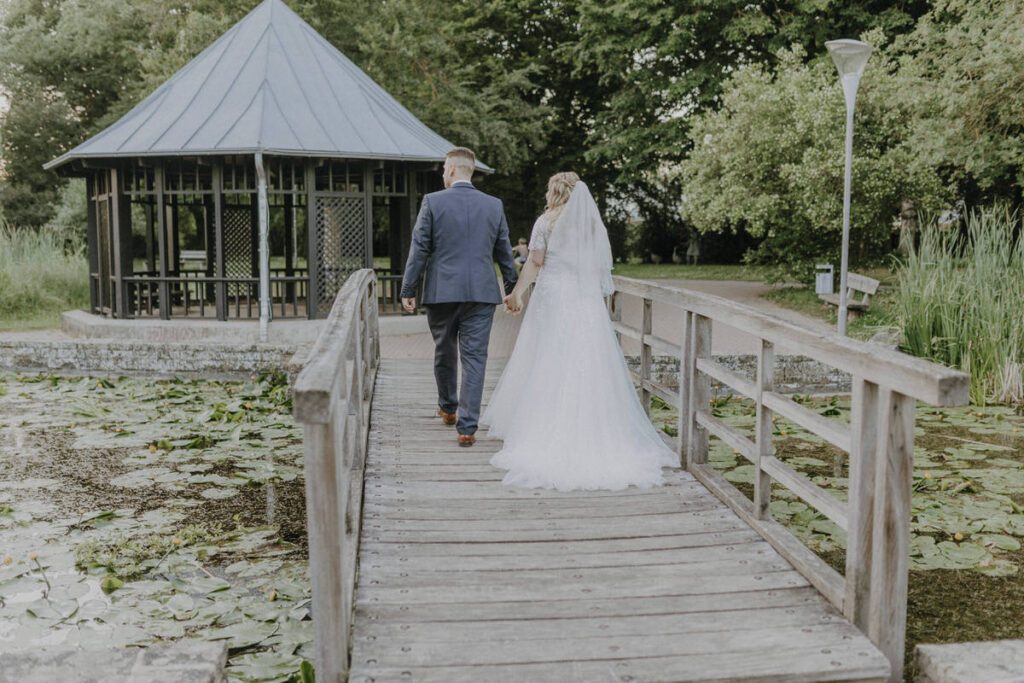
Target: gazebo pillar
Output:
{"points": [[161, 231], [121, 234], [312, 245], [221, 289], [264, 222], [91, 242]]}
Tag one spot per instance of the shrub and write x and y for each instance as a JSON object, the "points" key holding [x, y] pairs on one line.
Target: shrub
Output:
{"points": [[959, 301], [38, 275], [770, 162]]}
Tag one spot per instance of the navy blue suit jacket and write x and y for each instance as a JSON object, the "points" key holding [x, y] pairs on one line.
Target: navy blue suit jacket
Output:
{"points": [[459, 234]]}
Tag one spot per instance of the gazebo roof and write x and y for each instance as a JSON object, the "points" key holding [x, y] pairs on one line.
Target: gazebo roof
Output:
{"points": [[270, 84]]}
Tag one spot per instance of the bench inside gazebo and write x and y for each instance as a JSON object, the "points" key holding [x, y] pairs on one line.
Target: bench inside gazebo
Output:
{"points": [[253, 182]]}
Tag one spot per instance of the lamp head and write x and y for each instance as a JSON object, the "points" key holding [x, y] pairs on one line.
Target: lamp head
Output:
{"points": [[850, 57]]}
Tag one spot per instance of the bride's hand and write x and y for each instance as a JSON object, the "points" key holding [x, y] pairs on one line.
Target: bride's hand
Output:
{"points": [[513, 304]]}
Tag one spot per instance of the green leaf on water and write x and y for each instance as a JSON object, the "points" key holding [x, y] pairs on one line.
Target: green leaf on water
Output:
{"points": [[110, 583]]}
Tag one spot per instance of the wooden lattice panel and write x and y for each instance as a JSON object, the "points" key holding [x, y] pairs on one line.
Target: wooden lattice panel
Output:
{"points": [[238, 247], [341, 241]]}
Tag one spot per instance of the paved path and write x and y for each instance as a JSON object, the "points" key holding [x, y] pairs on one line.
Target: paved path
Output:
{"points": [[464, 579], [409, 337]]}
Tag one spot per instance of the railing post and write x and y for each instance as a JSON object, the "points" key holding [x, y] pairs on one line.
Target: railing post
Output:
{"points": [[324, 519], [861, 500], [646, 357], [615, 313], [763, 437], [685, 380], [890, 557], [700, 392]]}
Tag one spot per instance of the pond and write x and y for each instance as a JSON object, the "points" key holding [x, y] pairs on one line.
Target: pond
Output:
{"points": [[137, 510], [967, 522]]}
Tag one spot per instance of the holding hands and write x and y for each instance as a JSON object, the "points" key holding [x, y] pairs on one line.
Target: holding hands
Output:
{"points": [[514, 303]]}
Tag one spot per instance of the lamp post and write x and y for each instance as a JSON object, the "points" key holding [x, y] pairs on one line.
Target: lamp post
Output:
{"points": [[850, 57]]}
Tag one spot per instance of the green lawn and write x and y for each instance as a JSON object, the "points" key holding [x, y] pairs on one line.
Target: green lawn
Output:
{"points": [[878, 316], [672, 271]]}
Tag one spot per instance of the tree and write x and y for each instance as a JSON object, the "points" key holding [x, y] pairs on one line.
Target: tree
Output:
{"points": [[770, 161], [962, 66], [71, 68]]}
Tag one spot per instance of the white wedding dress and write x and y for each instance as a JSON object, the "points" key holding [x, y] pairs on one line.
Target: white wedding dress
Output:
{"points": [[565, 405]]}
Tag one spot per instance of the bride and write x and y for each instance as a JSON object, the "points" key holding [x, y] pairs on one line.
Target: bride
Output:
{"points": [[565, 404]]}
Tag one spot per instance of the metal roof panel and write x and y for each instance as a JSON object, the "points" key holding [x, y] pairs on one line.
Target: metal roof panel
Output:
{"points": [[270, 83]]}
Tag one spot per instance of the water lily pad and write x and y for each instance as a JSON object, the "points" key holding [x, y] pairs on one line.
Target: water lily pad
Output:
{"points": [[219, 493]]}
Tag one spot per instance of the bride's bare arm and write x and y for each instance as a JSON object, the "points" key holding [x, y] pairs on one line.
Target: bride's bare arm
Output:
{"points": [[531, 268]]}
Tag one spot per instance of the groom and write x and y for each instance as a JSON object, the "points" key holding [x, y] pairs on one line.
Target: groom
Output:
{"points": [[459, 233]]}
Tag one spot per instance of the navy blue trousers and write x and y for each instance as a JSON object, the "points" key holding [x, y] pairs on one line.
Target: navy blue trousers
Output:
{"points": [[461, 331]]}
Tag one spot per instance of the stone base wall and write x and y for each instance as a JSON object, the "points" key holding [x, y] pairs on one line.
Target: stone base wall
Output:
{"points": [[154, 359], [793, 374]]}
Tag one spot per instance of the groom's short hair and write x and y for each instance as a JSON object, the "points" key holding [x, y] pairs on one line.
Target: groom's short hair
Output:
{"points": [[462, 159]]}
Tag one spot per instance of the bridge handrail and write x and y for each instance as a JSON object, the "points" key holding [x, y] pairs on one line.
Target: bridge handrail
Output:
{"points": [[879, 441], [331, 398]]}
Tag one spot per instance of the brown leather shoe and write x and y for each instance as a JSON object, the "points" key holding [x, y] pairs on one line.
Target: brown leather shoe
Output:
{"points": [[466, 440], [449, 418]]}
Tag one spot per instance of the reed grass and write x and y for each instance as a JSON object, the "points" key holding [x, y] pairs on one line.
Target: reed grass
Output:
{"points": [[960, 301], [40, 276]]}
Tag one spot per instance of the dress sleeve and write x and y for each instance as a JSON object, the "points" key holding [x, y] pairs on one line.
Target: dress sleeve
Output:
{"points": [[539, 236]]}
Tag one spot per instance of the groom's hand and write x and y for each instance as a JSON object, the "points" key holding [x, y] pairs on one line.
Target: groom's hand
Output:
{"points": [[513, 304], [409, 304]]}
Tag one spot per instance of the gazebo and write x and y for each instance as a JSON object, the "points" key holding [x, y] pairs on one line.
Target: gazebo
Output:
{"points": [[253, 181]]}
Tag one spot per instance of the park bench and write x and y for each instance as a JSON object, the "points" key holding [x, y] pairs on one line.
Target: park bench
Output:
{"points": [[193, 256], [855, 283]]}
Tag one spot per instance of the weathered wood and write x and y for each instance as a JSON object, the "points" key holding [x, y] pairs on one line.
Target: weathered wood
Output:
{"points": [[890, 556], [873, 594], [487, 652], [646, 357], [924, 380], [732, 437], [821, 576], [809, 492], [324, 514], [686, 368], [763, 429], [385, 560], [330, 399], [700, 391], [441, 613], [468, 579], [861, 503], [832, 431], [316, 385], [733, 380], [794, 664]]}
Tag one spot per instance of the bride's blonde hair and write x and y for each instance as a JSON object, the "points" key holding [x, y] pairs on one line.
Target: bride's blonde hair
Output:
{"points": [[560, 187]]}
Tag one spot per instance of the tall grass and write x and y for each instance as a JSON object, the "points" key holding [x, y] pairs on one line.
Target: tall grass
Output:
{"points": [[960, 301], [39, 277]]}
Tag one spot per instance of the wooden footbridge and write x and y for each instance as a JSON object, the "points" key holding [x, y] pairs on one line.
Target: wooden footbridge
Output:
{"points": [[426, 568]]}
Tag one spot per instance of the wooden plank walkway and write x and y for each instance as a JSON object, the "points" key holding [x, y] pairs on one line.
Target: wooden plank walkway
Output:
{"points": [[464, 579]]}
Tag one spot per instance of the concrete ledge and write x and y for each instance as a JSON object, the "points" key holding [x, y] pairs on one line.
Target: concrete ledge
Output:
{"points": [[996, 661], [155, 359], [85, 325], [188, 661]]}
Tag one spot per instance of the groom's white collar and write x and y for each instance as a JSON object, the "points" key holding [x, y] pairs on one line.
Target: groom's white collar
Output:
{"points": [[462, 182]]}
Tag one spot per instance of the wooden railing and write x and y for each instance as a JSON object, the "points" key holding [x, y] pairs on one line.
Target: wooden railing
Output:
{"points": [[879, 442], [332, 399]]}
